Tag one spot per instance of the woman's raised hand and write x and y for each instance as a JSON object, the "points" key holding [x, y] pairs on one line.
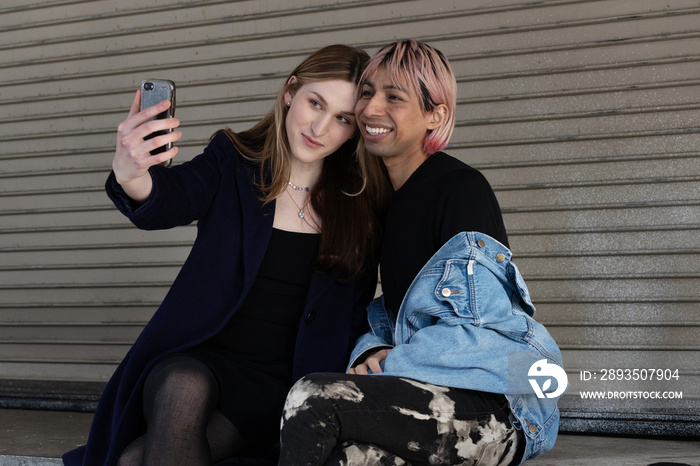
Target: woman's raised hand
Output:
{"points": [[132, 157]]}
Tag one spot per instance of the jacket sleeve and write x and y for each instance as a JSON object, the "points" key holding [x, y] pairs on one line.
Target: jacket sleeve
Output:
{"points": [[437, 353], [181, 194], [380, 335]]}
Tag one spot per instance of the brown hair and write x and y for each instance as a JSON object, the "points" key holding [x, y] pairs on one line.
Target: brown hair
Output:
{"points": [[351, 188]]}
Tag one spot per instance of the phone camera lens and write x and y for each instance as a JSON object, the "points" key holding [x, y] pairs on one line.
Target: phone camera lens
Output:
{"points": [[147, 86]]}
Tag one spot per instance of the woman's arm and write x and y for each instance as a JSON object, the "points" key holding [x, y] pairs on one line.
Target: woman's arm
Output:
{"points": [[181, 194]]}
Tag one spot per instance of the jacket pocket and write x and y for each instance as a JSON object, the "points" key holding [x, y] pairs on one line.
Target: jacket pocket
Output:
{"points": [[455, 292]]}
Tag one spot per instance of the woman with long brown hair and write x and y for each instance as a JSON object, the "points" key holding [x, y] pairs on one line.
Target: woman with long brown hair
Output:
{"points": [[275, 286]]}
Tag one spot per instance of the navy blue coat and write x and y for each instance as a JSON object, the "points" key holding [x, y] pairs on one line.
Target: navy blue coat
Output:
{"points": [[218, 190]]}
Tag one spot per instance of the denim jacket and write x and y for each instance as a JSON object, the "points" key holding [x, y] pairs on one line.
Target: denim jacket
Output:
{"points": [[467, 322]]}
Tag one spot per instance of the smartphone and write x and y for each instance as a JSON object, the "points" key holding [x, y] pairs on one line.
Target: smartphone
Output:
{"points": [[154, 91]]}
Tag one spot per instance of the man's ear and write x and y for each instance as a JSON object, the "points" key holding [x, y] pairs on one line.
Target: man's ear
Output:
{"points": [[437, 117], [291, 84]]}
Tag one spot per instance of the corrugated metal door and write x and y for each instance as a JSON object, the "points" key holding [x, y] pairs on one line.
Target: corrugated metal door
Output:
{"points": [[584, 117], [582, 114]]}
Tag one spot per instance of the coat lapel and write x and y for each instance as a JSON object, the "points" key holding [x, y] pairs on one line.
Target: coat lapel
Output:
{"points": [[257, 223]]}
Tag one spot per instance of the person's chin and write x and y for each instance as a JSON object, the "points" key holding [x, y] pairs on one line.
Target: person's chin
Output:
{"points": [[377, 148]]}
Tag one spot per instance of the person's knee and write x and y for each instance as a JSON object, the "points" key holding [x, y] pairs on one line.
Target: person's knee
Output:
{"points": [[319, 395], [302, 396], [177, 381]]}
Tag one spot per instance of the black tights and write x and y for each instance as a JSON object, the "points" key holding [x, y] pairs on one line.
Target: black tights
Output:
{"points": [[184, 425]]}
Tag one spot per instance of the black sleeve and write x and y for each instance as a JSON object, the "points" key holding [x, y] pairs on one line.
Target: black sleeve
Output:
{"points": [[180, 194], [467, 203]]}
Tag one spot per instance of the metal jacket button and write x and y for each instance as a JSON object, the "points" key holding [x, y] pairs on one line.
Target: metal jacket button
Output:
{"points": [[531, 427], [446, 292], [481, 243], [500, 257]]}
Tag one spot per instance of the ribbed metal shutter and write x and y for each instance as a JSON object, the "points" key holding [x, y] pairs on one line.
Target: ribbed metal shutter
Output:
{"points": [[582, 114], [584, 117]]}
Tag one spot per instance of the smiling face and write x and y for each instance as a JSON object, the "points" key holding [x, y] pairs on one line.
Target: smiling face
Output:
{"points": [[391, 120], [320, 119]]}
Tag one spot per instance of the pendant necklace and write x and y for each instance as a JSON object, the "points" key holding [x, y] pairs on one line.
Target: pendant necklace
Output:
{"points": [[301, 213]]}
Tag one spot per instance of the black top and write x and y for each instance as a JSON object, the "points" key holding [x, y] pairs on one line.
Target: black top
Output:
{"points": [[263, 331], [252, 356], [443, 197]]}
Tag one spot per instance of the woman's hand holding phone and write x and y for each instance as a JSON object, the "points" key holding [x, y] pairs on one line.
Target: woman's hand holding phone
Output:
{"points": [[132, 157]]}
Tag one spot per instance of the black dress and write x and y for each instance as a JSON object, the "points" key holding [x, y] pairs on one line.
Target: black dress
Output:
{"points": [[252, 356]]}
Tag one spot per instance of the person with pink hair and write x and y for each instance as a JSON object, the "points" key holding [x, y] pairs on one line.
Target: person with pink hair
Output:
{"points": [[427, 384]]}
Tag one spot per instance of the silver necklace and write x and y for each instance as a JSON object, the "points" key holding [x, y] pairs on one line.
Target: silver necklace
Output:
{"points": [[301, 213], [297, 188]]}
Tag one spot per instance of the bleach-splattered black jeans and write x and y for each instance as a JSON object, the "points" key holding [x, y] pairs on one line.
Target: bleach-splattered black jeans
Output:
{"points": [[334, 419]]}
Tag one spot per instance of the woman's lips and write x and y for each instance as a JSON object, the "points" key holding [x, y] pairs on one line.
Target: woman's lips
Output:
{"points": [[311, 142]]}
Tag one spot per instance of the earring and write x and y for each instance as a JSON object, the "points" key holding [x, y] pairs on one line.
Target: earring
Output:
{"points": [[289, 104]]}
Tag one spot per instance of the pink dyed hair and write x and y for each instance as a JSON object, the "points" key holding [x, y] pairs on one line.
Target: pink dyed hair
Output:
{"points": [[425, 71]]}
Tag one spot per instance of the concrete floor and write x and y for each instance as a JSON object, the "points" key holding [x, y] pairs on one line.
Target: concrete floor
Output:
{"points": [[38, 438], [580, 450]]}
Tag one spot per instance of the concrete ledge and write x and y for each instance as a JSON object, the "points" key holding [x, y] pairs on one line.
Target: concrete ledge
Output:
{"points": [[28, 461], [658, 419], [50, 395]]}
